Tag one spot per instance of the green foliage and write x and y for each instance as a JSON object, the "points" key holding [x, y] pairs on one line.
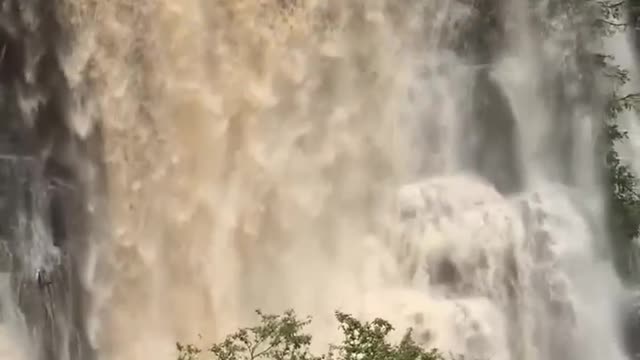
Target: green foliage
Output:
{"points": [[614, 72], [368, 341], [277, 337], [624, 198], [624, 205], [280, 337]]}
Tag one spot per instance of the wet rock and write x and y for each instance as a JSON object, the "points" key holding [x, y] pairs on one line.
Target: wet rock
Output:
{"points": [[42, 216], [493, 154], [630, 315], [6, 258], [447, 273]]}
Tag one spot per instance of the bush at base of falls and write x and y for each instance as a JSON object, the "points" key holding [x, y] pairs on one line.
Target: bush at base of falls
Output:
{"points": [[280, 337]]}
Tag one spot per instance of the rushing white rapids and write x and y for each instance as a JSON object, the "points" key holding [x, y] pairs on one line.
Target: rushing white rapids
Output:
{"points": [[338, 154]]}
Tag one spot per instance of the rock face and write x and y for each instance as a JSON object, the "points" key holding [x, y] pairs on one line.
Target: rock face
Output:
{"points": [[490, 134], [42, 214], [633, 18], [494, 131], [631, 326]]}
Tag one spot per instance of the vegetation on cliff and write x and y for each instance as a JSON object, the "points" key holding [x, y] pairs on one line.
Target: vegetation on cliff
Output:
{"points": [[623, 191]]}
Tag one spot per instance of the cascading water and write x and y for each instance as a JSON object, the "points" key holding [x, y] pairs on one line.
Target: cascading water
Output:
{"points": [[429, 162]]}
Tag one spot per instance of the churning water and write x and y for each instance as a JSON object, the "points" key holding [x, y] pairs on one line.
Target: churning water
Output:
{"points": [[429, 162]]}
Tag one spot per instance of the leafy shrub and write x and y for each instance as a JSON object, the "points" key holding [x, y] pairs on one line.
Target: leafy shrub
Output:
{"points": [[281, 337]]}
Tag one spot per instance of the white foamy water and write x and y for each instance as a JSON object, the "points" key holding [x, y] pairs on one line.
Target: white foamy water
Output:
{"points": [[322, 155], [14, 336]]}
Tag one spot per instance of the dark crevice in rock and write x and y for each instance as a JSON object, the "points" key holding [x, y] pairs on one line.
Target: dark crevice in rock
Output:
{"points": [[493, 152]]}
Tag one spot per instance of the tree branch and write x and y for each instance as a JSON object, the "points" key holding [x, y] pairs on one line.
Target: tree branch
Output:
{"points": [[612, 23], [629, 97], [614, 5]]}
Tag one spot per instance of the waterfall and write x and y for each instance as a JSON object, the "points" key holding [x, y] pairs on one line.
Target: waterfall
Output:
{"points": [[433, 163]]}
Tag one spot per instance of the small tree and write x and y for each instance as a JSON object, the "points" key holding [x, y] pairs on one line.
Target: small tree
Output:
{"points": [[280, 337]]}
